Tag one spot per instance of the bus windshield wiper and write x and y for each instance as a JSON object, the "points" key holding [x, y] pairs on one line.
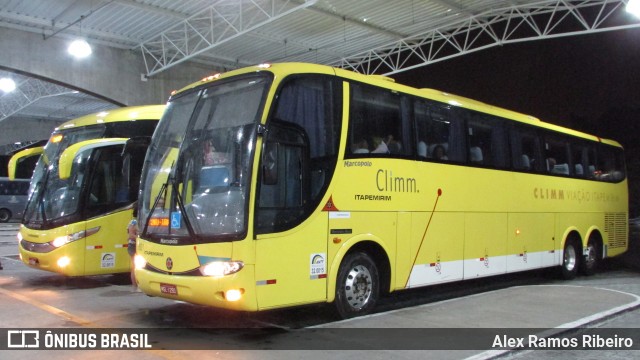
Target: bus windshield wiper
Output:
{"points": [[174, 193], [182, 209]]}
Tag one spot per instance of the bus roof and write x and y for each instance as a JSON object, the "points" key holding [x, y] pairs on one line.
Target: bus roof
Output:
{"points": [[283, 69], [130, 113]]}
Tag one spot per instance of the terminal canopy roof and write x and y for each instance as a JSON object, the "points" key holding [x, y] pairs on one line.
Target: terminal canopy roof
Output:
{"points": [[368, 36]]}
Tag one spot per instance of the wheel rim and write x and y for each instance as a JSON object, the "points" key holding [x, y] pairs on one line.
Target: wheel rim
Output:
{"points": [[4, 216], [358, 287], [570, 258]]}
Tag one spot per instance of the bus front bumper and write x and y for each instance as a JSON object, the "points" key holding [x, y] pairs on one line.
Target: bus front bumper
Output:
{"points": [[234, 292], [67, 260]]}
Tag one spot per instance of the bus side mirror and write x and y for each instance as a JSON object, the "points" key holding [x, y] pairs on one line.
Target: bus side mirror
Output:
{"points": [[270, 164], [69, 154], [19, 156]]}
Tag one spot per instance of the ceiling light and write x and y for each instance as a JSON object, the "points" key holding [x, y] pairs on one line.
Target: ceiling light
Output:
{"points": [[79, 48], [7, 85], [633, 7]]}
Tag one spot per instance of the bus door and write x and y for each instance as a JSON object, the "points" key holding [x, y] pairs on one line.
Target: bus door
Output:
{"points": [[107, 197], [291, 247]]}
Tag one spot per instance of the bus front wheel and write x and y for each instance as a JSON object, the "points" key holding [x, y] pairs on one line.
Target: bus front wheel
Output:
{"points": [[570, 260], [5, 215], [357, 286]]}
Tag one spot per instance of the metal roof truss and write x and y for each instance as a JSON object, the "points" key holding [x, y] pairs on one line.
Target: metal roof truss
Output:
{"points": [[518, 23]]}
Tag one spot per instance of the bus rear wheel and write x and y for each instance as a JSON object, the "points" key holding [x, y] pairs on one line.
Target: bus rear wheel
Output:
{"points": [[591, 260], [5, 215], [357, 286], [570, 260]]}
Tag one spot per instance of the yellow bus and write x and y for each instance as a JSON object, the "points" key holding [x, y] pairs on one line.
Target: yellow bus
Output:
{"points": [[287, 184], [82, 192]]}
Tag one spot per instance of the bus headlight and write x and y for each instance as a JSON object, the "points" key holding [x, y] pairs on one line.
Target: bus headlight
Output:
{"points": [[221, 268], [63, 240], [139, 262]]}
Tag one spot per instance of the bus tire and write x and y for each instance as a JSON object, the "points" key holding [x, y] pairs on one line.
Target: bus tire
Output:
{"points": [[357, 286], [570, 260], [5, 215], [591, 261]]}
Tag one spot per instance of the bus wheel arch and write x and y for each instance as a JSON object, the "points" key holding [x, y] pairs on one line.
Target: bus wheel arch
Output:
{"points": [[364, 262], [571, 255], [5, 215], [593, 254]]}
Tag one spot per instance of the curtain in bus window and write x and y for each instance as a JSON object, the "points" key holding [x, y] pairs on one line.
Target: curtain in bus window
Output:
{"points": [[457, 135], [303, 105], [312, 103]]}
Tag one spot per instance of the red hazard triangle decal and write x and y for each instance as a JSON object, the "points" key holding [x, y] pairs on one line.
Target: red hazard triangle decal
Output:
{"points": [[330, 206]]}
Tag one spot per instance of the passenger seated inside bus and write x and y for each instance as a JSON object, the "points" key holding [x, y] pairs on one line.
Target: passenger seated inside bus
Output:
{"points": [[439, 153], [379, 146], [526, 162], [475, 155], [211, 156], [360, 147], [422, 149], [551, 163], [393, 145]]}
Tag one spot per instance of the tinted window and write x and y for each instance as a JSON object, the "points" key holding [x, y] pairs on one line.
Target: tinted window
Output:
{"points": [[375, 122], [439, 132], [487, 141]]}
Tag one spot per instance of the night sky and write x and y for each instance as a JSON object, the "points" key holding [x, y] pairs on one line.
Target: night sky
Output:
{"points": [[586, 82], [557, 80]]}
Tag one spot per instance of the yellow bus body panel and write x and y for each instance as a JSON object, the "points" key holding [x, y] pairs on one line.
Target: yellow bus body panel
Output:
{"points": [[104, 252], [130, 113]]}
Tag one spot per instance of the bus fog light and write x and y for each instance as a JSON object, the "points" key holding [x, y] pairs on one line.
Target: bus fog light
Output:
{"points": [[233, 295], [63, 262], [139, 262], [221, 268]]}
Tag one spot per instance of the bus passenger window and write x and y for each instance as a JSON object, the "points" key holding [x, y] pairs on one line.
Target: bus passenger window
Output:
{"points": [[376, 120], [557, 155], [524, 148]]}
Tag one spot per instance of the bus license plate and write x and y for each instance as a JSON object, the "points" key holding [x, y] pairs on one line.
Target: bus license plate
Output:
{"points": [[169, 289], [34, 262]]}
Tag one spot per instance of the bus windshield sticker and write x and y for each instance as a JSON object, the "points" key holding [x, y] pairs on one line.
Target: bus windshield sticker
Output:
{"points": [[176, 218]]}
